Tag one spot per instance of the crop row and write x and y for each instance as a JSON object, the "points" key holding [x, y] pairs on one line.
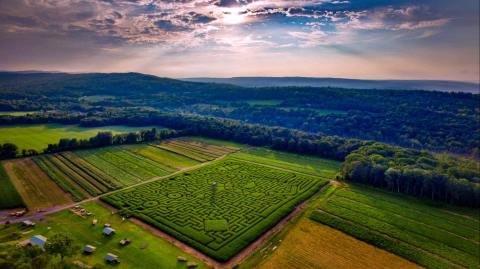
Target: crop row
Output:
{"points": [[378, 239], [170, 159], [409, 226], [195, 150], [456, 224], [129, 162], [60, 178], [403, 226]]}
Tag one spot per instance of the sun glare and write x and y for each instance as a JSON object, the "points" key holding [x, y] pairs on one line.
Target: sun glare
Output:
{"points": [[233, 16]]}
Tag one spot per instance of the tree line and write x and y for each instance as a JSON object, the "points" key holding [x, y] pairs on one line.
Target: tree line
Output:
{"points": [[410, 171], [103, 139], [417, 173]]}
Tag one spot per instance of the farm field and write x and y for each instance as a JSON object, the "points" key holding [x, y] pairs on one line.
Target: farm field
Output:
{"points": [[86, 173], [38, 136], [432, 236], [118, 160], [168, 158], [9, 195], [219, 219], [33, 185], [299, 163], [216, 142], [195, 150], [147, 249], [311, 245]]}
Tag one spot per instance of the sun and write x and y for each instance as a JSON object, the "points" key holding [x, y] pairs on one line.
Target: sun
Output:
{"points": [[233, 16]]}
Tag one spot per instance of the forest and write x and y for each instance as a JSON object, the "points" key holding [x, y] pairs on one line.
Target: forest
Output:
{"points": [[417, 119]]}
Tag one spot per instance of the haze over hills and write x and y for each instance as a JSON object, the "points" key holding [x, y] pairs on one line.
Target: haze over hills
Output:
{"points": [[146, 82], [429, 85]]}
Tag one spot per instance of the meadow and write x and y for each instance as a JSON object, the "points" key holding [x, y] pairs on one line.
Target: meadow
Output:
{"points": [[220, 208], [431, 235], [145, 249], [10, 196], [38, 136]]}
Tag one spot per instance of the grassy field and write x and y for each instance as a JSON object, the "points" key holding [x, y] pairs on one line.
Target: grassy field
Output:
{"points": [[299, 163], [246, 201], [145, 251], [432, 236], [33, 185], [9, 195], [38, 136]]}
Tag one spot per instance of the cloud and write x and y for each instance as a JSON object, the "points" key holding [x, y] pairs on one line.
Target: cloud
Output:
{"points": [[192, 23]]}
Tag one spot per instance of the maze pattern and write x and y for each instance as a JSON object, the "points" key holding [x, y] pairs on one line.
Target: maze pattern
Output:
{"points": [[245, 195]]}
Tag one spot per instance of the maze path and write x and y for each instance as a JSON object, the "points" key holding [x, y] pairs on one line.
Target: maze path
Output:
{"points": [[246, 196]]}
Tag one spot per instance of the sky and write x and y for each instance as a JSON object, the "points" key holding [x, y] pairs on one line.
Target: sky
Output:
{"points": [[371, 39]]}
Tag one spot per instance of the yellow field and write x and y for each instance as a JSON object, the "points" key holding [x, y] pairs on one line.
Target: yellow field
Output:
{"points": [[312, 245], [35, 187]]}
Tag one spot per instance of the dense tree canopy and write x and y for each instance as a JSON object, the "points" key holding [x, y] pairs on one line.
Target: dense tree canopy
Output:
{"points": [[419, 119], [418, 173]]}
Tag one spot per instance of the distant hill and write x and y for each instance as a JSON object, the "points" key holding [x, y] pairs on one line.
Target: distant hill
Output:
{"points": [[429, 85]]}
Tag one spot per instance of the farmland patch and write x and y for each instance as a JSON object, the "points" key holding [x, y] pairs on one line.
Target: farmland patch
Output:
{"points": [[36, 189], [434, 237], [220, 208]]}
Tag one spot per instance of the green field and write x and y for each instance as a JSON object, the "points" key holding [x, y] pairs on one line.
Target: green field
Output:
{"points": [[168, 158], [125, 162], [92, 172], [38, 136], [432, 236], [9, 195], [195, 150], [220, 221], [299, 163], [145, 251]]}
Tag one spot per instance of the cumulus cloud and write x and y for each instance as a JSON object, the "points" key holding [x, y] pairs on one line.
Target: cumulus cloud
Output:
{"points": [[195, 22]]}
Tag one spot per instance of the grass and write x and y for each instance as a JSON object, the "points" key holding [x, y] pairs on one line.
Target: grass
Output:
{"points": [[38, 136], [431, 236], [145, 251], [33, 185], [299, 163], [9, 195], [249, 199]]}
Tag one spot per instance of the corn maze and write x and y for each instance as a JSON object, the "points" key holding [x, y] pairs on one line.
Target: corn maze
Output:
{"points": [[220, 208]]}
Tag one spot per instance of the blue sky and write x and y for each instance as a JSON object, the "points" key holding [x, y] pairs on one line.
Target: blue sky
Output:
{"points": [[424, 39]]}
